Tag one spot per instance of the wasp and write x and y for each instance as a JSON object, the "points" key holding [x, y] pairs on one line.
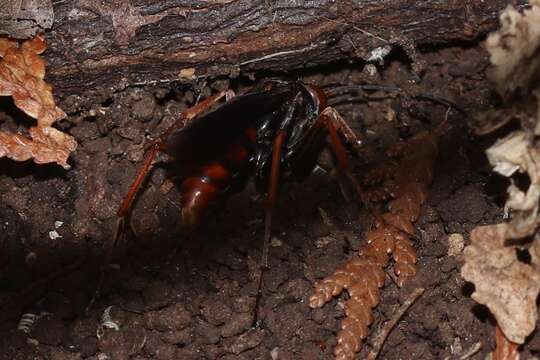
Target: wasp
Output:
{"points": [[273, 133]]}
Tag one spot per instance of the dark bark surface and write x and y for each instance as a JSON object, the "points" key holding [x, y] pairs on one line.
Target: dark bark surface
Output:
{"points": [[97, 46]]}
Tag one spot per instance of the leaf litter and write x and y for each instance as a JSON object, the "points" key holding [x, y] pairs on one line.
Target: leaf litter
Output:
{"points": [[505, 281], [22, 71]]}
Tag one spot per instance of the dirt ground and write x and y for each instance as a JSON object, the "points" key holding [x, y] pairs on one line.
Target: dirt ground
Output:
{"points": [[176, 297]]}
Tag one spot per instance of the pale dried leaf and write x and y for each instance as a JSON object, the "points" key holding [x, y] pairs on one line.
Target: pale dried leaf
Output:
{"points": [[507, 286], [515, 48]]}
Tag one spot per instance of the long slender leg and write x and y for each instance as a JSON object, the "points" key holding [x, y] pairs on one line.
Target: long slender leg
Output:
{"points": [[335, 123], [272, 191], [189, 114], [159, 145], [270, 201]]}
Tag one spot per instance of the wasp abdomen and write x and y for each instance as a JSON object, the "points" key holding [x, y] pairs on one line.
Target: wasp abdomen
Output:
{"points": [[208, 182]]}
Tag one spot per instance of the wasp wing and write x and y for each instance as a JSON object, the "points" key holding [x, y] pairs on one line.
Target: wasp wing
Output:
{"points": [[208, 136]]}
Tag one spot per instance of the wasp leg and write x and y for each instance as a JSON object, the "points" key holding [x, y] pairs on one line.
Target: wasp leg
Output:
{"points": [[151, 152], [335, 124], [271, 199], [343, 128]]}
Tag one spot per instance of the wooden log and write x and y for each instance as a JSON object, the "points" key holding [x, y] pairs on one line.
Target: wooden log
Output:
{"points": [[97, 47]]}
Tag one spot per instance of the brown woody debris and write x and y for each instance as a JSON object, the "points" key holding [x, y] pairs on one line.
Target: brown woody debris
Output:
{"points": [[364, 275], [21, 76], [21, 19]]}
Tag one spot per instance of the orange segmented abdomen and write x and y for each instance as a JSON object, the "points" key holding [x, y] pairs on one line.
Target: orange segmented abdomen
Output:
{"points": [[209, 181], [216, 173], [196, 193]]}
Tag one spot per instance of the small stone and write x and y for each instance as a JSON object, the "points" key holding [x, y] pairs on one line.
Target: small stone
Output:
{"points": [[456, 244], [187, 73], [275, 242], [323, 241]]}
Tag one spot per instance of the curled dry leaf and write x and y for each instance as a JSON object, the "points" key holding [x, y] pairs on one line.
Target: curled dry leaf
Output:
{"points": [[21, 76], [515, 58], [507, 286], [514, 50]]}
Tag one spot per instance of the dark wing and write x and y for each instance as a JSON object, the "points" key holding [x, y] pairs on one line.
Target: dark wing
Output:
{"points": [[207, 137]]}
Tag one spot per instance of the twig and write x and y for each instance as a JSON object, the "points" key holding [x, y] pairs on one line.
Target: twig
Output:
{"points": [[389, 326], [282, 53]]}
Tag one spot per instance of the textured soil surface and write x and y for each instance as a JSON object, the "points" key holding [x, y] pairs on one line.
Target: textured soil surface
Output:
{"points": [[169, 296]]}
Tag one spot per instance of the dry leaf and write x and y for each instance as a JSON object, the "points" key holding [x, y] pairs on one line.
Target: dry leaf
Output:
{"points": [[21, 76], [514, 49], [507, 286]]}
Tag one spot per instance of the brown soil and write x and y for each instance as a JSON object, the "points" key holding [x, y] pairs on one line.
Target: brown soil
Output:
{"points": [[174, 297]]}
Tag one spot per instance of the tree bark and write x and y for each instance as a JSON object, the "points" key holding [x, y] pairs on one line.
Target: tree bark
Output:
{"points": [[96, 47]]}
